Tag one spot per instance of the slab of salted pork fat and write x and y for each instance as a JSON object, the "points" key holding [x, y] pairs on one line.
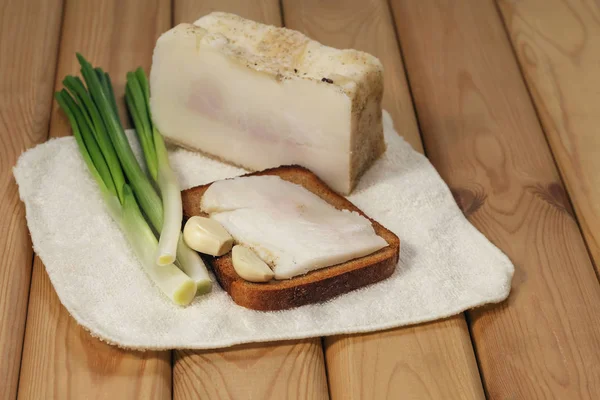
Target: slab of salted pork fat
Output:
{"points": [[259, 96]]}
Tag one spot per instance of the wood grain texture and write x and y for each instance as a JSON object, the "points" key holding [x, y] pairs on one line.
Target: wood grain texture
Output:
{"points": [[481, 133], [430, 361], [557, 43], [29, 34], [265, 11], [418, 362], [289, 370], [60, 359], [285, 370]]}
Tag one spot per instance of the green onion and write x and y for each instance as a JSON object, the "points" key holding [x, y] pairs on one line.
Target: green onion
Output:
{"points": [[94, 121], [170, 246], [170, 279], [160, 172], [137, 108], [142, 188], [165, 216], [191, 263], [87, 144], [173, 282], [137, 97]]}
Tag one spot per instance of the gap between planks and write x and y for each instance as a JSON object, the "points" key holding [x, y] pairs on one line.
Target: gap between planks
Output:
{"points": [[483, 136]]}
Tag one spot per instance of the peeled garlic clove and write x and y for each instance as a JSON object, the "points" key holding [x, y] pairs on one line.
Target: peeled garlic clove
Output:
{"points": [[207, 236], [249, 266]]}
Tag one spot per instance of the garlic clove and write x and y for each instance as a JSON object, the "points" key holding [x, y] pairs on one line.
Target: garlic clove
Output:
{"points": [[249, 265], [207, 236]]}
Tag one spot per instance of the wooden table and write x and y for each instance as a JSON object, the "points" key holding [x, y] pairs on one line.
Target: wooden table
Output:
{"points": [[504, 99]]}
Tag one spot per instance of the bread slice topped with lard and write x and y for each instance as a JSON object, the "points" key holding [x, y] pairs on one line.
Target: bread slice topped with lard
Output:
{"points": [[297, 242], [260, 96], [263, 97]]}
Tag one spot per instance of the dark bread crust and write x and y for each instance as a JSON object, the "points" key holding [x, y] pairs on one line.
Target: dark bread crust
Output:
{"points": [[316, 286]]}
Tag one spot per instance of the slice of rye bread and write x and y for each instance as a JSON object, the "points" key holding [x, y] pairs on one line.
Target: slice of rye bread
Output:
{"points": [[315, 286]]}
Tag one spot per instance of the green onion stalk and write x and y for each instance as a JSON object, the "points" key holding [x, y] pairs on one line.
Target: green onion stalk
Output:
{"points": [[126, 188], [137, 97], [165, 215], [98, 153]]}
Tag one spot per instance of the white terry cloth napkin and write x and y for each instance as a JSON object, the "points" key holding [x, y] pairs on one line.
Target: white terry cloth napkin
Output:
{"points": [[446, 266]]}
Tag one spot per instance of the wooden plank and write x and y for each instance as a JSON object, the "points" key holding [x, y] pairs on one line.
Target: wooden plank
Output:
{"points": [[433, 361], [290, 370], [482, 134], [557, 43], [429, 361], [60, 359], [282, 370], [29, 40], [266, 11]]}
